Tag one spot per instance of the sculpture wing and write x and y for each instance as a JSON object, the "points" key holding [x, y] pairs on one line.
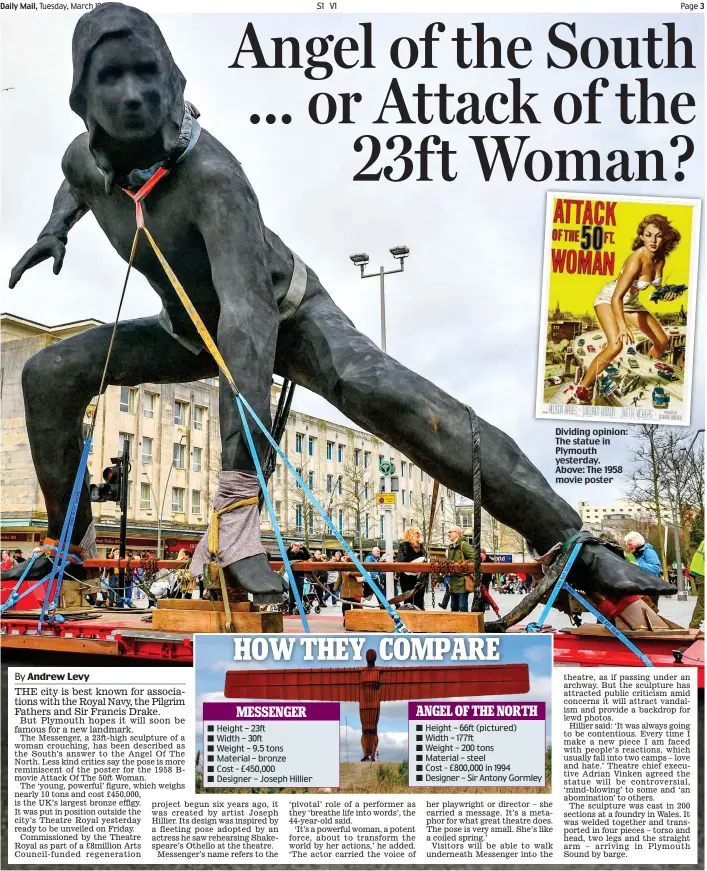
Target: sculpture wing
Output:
{"points": [[294, 684], [452, 681]]}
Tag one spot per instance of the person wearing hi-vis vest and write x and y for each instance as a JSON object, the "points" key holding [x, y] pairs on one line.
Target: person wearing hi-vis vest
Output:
{"points": [[697, 573]]}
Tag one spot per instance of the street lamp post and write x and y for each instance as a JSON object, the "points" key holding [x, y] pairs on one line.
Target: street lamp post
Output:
{"points": [[362, 260], [682, 587], [161, 507]]}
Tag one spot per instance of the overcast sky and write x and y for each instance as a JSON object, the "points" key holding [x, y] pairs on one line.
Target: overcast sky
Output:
{"points": [[466, 311]]}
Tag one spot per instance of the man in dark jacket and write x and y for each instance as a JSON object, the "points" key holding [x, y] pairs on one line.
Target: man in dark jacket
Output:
{"points": [[458, 551], [297, 551]]}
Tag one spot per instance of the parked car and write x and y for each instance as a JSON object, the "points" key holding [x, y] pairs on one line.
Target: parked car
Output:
{"points": [[606, 385], [581, 352], [630, 350], [660, 398], [553, 379], [591, 349], [668, 376], [633, 362], [580, 341], [611, 369], [597, 337], [664, 367]]}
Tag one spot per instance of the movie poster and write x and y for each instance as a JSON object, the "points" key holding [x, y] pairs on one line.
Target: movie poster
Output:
{"points": [[618, 308]]}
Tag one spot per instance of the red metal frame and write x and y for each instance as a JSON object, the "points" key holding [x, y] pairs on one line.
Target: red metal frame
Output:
{"points": [[600, 652], [148, 644]]}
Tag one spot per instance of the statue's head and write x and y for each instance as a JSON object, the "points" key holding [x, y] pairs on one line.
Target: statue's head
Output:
{"points": [[126, 87]]}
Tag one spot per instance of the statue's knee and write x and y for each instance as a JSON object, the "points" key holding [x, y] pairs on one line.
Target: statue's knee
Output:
{"points": [[49, 374]]}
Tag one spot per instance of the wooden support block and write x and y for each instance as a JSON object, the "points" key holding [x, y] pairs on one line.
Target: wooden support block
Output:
{"points": [[202, 605], [54, 644], [368, 620], [175, 620]]}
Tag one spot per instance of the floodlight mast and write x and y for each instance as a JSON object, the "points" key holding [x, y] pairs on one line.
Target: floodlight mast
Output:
{"points": [[400, 252]]}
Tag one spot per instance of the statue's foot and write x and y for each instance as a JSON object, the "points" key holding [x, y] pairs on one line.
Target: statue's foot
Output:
{"points": [[255, 576], [599, 568], [40, 569]]}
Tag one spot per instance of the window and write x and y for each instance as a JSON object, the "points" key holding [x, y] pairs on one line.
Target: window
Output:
{"points": [[125, 437], [145, 497], [310, 480], [278, 473], [441, 504], [298, 442], [310, 446], [366, 459], [410, 495], [357, 456], [196, 460], [148, 405], [342, 448], [340, 486], [278, 511], [311, 520], [198, 417], [130, 493], [178, 455], [341, 520], [330, 450], [127, 400], [298, 518], [380, 460], [196, 501], [178, 500], [402, 497], [366, 526], [329, 483], [382, 527], [410, 467], [422, 475], [365, 491], [381, 489], [402, 468], [297, 483], [181, 413], [146, 450]]}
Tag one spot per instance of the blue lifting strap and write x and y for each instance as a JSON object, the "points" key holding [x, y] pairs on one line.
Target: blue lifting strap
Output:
{"points": [[61, 557], [242, 403], [578, 539]]}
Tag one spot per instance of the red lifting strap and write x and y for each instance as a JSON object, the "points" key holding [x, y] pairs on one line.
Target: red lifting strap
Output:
{"points": [[611, 609], [143, 192]]}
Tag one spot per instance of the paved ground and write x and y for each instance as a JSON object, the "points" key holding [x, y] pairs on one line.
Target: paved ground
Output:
{"points": [[330, 619]]}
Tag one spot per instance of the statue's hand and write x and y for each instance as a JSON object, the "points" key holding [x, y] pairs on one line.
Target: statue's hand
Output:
{"points": [[43, 249]]}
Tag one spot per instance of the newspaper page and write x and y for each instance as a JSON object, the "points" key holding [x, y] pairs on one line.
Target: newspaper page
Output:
{"points": [[300, 569]]}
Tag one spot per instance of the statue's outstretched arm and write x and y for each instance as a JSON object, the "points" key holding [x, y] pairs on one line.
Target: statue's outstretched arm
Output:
{"points": [[68, 208]]}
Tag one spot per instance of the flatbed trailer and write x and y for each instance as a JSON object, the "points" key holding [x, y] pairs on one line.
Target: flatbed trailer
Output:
{"points": [[114, 632]]}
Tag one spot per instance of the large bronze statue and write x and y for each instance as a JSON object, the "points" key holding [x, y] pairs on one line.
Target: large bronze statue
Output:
{"points": [[267, 311]]}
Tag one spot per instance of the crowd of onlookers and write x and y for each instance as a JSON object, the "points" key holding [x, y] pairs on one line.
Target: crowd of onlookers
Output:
{"points": [[344, 586]]}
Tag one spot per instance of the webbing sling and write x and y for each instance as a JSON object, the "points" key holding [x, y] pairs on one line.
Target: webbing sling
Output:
{"points": [[243, 405]]}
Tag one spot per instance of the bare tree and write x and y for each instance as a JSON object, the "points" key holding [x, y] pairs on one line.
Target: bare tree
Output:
{"points": [[311, 523], [355, 494], [668, 469], [644, 488]]}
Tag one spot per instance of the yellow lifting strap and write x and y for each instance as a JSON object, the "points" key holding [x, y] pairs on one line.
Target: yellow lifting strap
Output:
{"points": [[193, 313], [213, 525]]}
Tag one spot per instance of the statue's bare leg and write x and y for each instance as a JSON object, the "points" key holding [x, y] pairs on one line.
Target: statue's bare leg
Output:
{"points": [[320, 349]]}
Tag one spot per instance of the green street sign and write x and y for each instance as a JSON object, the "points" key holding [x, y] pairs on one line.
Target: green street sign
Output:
{"points": [[386, 467]]}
